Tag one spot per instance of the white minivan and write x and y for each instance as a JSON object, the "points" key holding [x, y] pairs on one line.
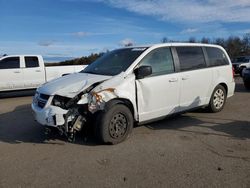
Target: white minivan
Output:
{"points": [[136, 85]]}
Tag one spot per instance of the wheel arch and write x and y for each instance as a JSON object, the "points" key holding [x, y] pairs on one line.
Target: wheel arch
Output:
{"points": [[125, 102], [223, 84]]}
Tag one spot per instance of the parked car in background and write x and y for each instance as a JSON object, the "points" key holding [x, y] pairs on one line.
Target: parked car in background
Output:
{"points": [[239, 63], [20, 72], [246, 77], [136, 85]]}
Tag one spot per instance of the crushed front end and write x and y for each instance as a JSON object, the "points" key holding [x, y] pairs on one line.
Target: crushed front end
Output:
{"points": [[71, 110], [61, 112]]}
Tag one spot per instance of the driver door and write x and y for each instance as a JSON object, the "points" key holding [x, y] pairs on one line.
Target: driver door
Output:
{"points": [[158, 94], [11, 74]]}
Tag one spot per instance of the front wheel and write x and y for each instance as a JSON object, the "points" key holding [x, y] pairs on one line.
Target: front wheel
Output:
{"points": [[114, 124], [218, 99]]}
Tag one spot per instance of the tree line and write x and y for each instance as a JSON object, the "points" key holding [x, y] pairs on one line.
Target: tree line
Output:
{"points": [[234, 45], [84, 60]]}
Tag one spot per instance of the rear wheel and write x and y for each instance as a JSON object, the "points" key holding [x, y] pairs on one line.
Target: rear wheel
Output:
{"points": [[114, 124], [218, 99]]}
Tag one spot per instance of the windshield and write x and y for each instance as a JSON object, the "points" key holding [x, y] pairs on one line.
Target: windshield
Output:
{"points": [[114, 62], [241, 60]]}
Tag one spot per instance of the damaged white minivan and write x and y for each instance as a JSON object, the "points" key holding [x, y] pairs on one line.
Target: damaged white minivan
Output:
{"points": [[136, 85]]}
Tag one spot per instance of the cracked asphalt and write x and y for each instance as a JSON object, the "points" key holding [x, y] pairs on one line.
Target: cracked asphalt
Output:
{"points": [[196, 149]]}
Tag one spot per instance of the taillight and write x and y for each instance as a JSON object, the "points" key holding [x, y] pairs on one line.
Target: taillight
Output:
{"points": [[233, 72]]}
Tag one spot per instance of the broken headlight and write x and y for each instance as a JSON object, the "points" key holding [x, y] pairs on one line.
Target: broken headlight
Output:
{"points": [[60, 101]]}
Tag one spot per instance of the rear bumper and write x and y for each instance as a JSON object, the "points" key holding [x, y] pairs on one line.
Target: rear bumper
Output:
{"points": [[231, 89]]}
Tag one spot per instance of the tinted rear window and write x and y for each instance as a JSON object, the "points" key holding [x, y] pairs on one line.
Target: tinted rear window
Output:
{"points": [[31, 62], [216, 57], [191, 58], [10, 63]]}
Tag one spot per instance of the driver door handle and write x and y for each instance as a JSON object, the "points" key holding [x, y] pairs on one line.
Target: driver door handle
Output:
{"points": [[173, 80]]}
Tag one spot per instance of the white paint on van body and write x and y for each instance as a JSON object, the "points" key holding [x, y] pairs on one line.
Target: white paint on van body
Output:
{"points": [[151, 97]]}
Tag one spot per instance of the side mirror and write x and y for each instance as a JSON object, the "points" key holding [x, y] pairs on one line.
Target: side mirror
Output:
{"points": [[142, 72]]}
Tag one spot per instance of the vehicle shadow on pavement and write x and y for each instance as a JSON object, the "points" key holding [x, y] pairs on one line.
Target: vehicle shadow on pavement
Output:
{"points": [[241, 88], [207, 126], [19, 126]]}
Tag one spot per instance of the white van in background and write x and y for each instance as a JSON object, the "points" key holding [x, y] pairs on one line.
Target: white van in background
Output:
{"points": [[136, 85], [20, 72]]}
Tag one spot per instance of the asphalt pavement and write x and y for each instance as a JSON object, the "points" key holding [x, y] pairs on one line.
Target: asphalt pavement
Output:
{"points": [[196, 149]]}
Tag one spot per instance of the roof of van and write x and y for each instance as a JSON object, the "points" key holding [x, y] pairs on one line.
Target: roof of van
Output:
{"points": [[174, 44]]}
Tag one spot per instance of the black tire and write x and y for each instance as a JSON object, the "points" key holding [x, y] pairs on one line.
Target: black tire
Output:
{"points": [[218, 99], [114, 124], [247, 85], [241, 71]]}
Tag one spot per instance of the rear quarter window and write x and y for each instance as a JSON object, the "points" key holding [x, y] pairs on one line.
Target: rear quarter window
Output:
{"points": [[191, 58], [216, 57]]}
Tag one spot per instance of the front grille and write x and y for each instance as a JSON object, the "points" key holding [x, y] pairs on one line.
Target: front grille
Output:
{"points": [[44, 97], [41, 104]]}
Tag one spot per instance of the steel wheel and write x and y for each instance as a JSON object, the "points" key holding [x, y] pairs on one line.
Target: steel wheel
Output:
{"points": [[114, 124], [118, 126]]}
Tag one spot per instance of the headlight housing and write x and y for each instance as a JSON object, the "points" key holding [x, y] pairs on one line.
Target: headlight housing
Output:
{"points": [[60, 101]]}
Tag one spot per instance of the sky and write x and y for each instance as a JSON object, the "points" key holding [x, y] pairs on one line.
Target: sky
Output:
{"points": [[64, 29]]}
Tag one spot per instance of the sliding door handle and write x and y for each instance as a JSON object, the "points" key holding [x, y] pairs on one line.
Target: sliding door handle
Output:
{"points": [[185, 78]]}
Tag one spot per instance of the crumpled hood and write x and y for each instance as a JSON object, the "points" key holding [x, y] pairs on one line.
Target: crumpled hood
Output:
{"points": [[71, 85]]}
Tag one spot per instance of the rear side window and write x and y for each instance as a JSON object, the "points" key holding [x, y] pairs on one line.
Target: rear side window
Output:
{"points": [[31, 62], [10, 63], [160, 60], [216, 57], [191, 58]]}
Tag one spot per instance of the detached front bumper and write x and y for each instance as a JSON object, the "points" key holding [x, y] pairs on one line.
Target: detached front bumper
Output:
{"points": [[49, 115]]}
